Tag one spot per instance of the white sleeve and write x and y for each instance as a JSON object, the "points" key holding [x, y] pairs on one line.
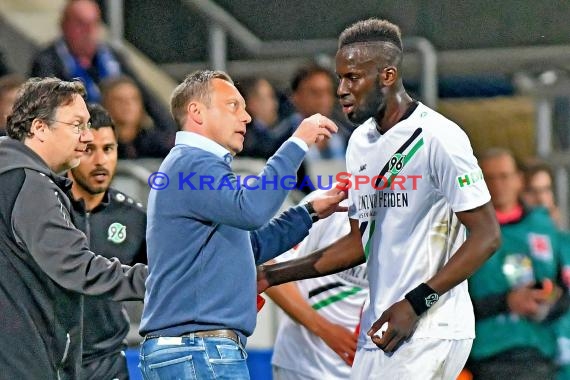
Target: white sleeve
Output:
{"points": [[455, 171], [352, 195]]}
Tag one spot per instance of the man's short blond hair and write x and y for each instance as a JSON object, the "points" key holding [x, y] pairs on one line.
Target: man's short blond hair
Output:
{"points": [[196, 86]]}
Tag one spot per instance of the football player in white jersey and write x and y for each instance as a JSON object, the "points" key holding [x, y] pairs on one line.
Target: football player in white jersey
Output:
{"points": [[317, 338], [415, 190]]}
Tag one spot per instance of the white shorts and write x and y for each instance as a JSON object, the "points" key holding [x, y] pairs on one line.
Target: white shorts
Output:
{"points": [[421, 359]]}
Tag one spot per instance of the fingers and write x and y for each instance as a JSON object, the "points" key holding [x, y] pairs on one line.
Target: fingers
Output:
{"points": [[337, 189], [377, 325], [340, 195], [389, 341], [316, 129], [328, 124], [347, 357], [348, 353], [386, 335], [324, 133]]}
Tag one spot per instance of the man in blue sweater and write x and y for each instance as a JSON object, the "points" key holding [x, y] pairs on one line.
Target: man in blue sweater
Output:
{"points": [[206, 233]]}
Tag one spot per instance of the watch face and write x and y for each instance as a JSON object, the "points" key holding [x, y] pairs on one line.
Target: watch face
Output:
{"points": [[431, 299]]}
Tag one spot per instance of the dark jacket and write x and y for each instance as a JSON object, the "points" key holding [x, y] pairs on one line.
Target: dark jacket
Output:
{"points": [[45, 267], [115, 228]]}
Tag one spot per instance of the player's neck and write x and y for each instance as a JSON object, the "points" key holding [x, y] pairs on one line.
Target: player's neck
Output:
{"points": [[91, 200], [397, 109]]}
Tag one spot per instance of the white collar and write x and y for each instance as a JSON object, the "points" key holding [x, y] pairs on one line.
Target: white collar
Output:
{"points": [[198, 141]]}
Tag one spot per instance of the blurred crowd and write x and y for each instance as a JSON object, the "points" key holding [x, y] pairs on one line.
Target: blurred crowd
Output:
{"points": [[520, 295], [144, 126]]}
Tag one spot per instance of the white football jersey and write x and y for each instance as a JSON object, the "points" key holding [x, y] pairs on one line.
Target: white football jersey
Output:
{"points": [[411, 182], [338, 298]]}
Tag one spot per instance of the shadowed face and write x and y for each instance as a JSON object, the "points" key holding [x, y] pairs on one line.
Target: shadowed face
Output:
{"points": [[539, 192], [315, 94], [360, 89], [503, 180], [262, 104], [98, 163], [81, 26], [125, 105], [6, 103]]}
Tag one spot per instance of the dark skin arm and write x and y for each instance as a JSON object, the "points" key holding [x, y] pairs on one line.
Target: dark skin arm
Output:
{"points": [[483, 240], [345, 253]]}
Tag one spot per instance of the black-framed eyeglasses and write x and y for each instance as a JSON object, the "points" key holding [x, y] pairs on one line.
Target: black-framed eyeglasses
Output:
{"points": [[77, 127]]}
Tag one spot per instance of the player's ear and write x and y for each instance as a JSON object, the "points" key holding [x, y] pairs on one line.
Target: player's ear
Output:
{"points": [[388, 76], [39, 129], [194, 111]]}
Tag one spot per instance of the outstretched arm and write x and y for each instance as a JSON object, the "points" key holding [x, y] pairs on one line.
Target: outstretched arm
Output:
{"points": [[483, 240], [291, 227], [345, 253]]}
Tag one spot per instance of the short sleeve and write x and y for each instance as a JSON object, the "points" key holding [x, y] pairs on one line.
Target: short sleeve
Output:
{"points": [[352, 195], [455, 171]]}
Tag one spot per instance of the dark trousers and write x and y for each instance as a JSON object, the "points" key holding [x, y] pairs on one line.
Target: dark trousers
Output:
{"points": [[109, 367], [516, 364]]}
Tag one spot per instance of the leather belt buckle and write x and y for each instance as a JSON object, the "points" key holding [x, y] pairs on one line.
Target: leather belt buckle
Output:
{"points": [[223, 333]]}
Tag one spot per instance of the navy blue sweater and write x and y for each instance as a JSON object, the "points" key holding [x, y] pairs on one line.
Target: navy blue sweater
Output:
{"points": [[203, 244]]}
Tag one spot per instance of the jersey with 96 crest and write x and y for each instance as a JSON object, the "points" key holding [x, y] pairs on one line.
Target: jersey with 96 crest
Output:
{"points": [[406, 186]]}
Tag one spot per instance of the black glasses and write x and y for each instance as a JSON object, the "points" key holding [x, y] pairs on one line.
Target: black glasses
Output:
{"points": [[77, 128]]}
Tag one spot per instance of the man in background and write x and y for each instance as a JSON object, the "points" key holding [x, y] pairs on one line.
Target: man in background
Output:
{"points": [[539, 192], [115, 225], [312, 91], [517, 293], [262, 138], [81, 53], [9, 86]]}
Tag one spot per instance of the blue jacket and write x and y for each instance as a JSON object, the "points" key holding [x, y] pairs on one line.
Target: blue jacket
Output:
{"points": [[204, 243]]}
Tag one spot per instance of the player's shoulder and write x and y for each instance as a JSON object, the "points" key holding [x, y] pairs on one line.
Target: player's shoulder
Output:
{"points": [[125, 202], [435, 123], [439, 129]]}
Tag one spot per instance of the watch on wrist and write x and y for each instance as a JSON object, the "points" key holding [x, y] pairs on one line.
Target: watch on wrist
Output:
{"points": [[312, 213], [422, 298]]}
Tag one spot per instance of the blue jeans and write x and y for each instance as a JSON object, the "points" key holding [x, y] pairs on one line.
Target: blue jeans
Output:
{"points": [[189, 357]]}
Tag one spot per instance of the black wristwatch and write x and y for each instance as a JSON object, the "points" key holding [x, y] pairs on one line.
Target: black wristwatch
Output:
{"points": [[312, 213]]}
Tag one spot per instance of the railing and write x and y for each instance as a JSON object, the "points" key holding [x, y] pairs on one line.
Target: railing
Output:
{"points": [[222, 24], [545, 89]]}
